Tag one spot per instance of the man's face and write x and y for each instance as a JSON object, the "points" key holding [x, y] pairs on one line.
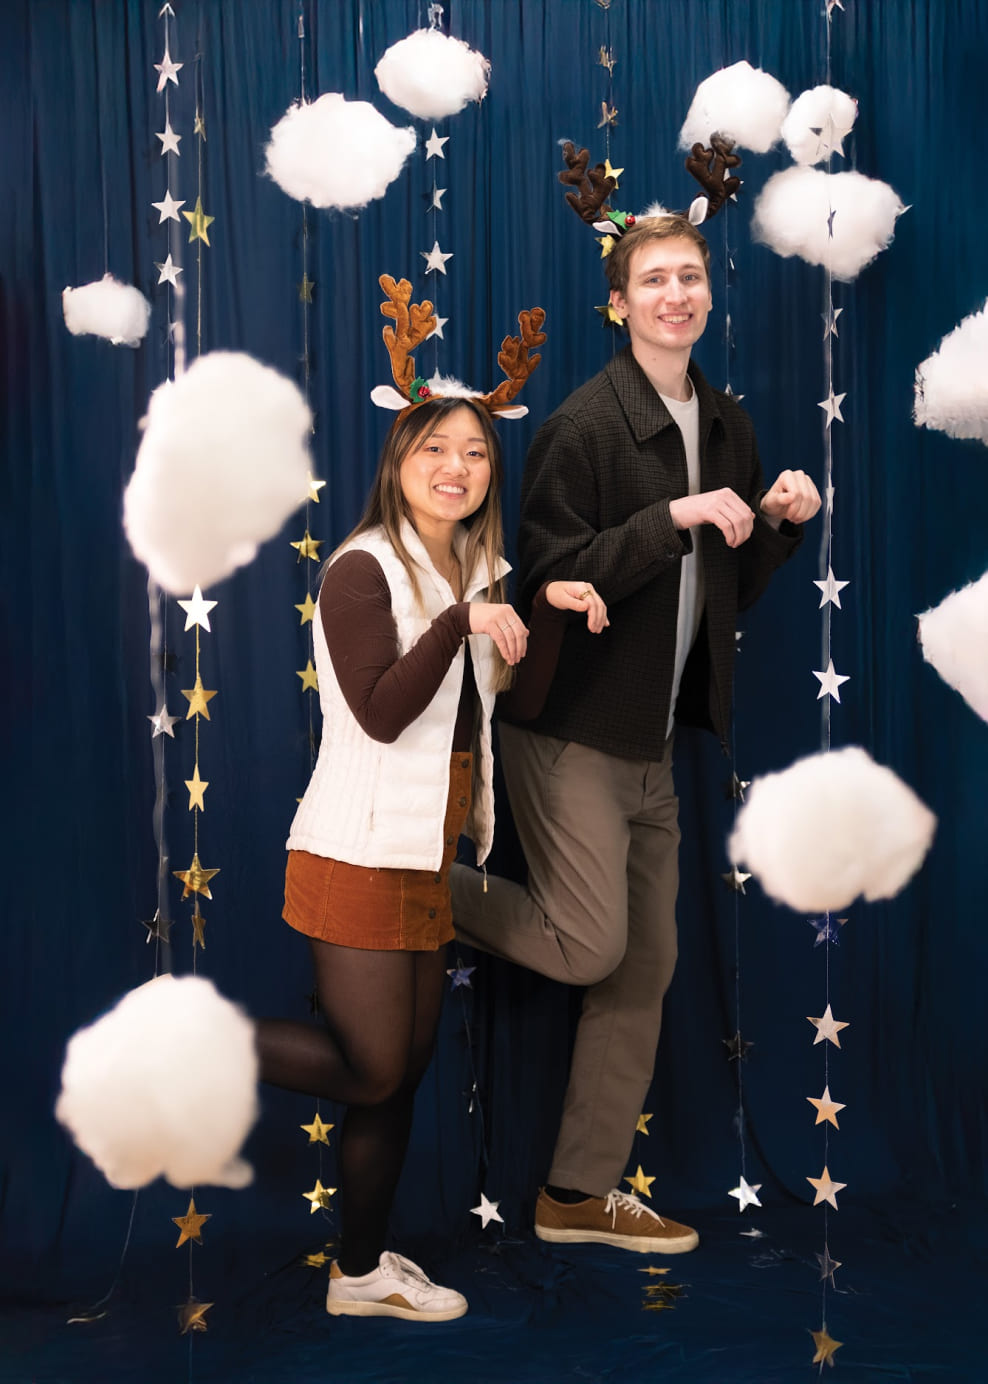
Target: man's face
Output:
{"points": [[668, 296]]}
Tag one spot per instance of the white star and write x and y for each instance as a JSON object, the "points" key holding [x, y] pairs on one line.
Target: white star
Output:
{"points": [[747, 1196], [438, 328], [169, 270], [830, 591], [487, 1211], [830, 322], [163, 723], [830, 492], [169, 139], [831, 406], [828, 140], [830, 681], [753, 1234], [435, 259], [434, 145], [437, 199], [166, 9], [168, 208], [826, 1189], [197, 611], [167, 70], [736, 879], [828, 1027]]}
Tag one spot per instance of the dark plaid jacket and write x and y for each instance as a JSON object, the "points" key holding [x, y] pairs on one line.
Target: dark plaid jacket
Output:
{"points": [[595, 506]]}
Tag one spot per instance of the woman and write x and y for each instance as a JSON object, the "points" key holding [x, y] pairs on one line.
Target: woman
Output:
{"points": [[413, 642]]}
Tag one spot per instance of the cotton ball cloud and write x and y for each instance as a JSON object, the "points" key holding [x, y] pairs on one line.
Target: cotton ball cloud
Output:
{"points": [[952, 384], [107, 308], [829, 828], [432, 75], [165, 1084], [794, 209], [817, 122], [954, 638], [223, 463], [742, 103], [336, 153]]}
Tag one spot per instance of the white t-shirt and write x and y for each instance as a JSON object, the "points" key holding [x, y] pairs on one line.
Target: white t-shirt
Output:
{"points": [[686, 416]]}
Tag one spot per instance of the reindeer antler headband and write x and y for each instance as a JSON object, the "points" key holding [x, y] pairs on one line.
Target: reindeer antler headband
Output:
{"points": [[710, 167], [414, 322]]}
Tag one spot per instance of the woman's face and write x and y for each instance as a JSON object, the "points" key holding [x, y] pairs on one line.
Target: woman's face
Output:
{"points": [[446, 475]]}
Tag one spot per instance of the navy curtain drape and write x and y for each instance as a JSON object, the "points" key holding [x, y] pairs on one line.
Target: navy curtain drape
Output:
{"points": [[81, 168]]}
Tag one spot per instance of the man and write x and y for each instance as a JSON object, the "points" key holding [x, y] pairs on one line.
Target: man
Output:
{"points": [[645, 483]]}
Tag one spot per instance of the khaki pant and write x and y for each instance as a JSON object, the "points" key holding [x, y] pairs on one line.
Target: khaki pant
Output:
{"points": [[601, 837]]}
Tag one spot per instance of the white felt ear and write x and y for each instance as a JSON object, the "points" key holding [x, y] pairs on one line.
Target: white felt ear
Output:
{"points": [[606, 227], [386, 397], [698, 211], [519, 411]]}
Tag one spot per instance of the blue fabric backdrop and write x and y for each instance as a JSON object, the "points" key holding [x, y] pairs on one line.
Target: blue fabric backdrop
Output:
{"points": [[81, 167]]}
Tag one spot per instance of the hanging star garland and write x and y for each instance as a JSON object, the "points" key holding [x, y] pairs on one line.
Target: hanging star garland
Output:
{"points": [[315, 1261], [736, 879], [487, 1211], [308, 547], [611, 172], [827, 930], [158, 927], [460, 977], [307, 609], [199, 127], [434, 146], [608, 116], [168, 208], [640, 1183], [611, 318], [197, 790], [826, 1109], [162, 723], [734, 788], [195, 878], [197, 697], [435, 199], [830, 590], [319, 1197], [169, 140], [192, 1315], [167, 70], [168, 270], [737, 1048], [190, 1225], [828, 1266], [746, 1195], [318, 1130], [437, 330], [197, 611], [830, 682], [830, 405], [199, 222], [310, 680], [825, 1345], [827, 1027], [826, 1188], [314, 488], [642, 1126], [435, 259], [607, 59], [198, 929], [830, 322]]}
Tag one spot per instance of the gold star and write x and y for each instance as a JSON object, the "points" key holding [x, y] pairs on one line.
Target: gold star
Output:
{"points": [[314, 489], [319, 1197], [197, 788], [199, 221], [658, 1306], [305, 289], [199, 128], [606, 243], [611, 318], [652, 1270], [190, 1224], [826, 1109], [195, 878], [308, 547], [641, 1183], [192, 1315], [608, 116], [307, 609], [315, 1261], [308, 676], [198, 930], [197, 697], [317, 1130], [610, 172], [825, 1347], [642, 1126], [608, 60], [826, 1188]]}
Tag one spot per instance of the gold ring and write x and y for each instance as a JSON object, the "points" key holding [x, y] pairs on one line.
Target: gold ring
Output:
{"points": [[584, 594]]}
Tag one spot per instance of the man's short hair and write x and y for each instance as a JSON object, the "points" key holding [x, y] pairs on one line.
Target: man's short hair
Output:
{"points": [[617, 265]]}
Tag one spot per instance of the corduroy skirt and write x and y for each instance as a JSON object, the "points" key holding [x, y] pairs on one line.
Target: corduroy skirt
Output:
{"points": [[380, 910]]}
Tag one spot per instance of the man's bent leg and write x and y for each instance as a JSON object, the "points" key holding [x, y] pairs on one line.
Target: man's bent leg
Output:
{"points": [[569, 924]]}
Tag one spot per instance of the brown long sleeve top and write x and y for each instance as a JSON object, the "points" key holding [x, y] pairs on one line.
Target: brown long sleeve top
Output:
{"points": [[386, 690]]}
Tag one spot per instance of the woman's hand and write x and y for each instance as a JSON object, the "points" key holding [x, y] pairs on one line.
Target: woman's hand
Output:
{"points": [[503, 625], [579, 595]]}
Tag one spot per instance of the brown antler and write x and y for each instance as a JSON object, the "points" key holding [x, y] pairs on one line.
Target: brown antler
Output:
{"points": [[514, 358], [413, 323], [593, 184], [710, 168]]}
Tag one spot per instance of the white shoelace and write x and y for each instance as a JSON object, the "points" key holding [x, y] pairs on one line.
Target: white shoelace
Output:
{"points": [[399, 1267], [627, 1201]]}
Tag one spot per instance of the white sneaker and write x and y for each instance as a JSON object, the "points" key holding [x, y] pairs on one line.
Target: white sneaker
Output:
{"points": [[396, 1288]]}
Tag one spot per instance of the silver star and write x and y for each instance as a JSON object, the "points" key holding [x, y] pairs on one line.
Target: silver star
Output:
{"points": [[830, 590], [830, 682], [168, 208], [169, 271], [735, 879], [435, 259], [169, 140], [197, 611], [747, 1196], [829, 493], [434, 145], [487, 1211], [830, 322], [163, 723], [827, 1027], [828, 1266], [438, 328], [167, 70], [438, 193], [831, 406]]}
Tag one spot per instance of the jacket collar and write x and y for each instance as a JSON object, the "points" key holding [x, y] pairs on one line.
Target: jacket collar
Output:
{"points": [[642, 404], [476, 581]]}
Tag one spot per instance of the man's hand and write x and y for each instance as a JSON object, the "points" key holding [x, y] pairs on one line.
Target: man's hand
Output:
{"points": [[579, 595], [793, 497], [723, 508]]}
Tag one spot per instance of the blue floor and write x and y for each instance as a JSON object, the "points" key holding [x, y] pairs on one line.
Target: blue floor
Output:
{"points": [[908, 1305]]}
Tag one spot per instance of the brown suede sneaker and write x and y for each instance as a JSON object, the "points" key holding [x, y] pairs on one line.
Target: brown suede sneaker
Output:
{"points": [[618, 1219]]}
